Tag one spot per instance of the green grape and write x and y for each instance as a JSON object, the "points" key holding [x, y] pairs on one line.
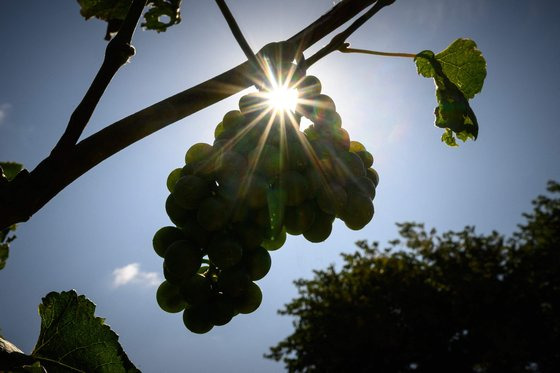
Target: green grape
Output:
{"points": [[233, 120], [332, 198], [198, 153], [348, 166], [196, 319], [268, 160], [164, 237], [296, 187], [328, 121], [182, 259], [224, 252], [172, 179], [233, 281], [311, 133], [190, 190], [196, 289], [212, 214], [176, 213], [299, 218], [258, 263], [250, 300], [171, 278], [356, 146], [169, 298], [218, 131], [255, 192], [193, 231], [230, 165], [220, 310], [309, 87], [362, 185], [358, 211], [276, 241], [250, 235], [366, 158], [313, 177], [252, 105], [321, 228], [341, 139], [373, 176]]}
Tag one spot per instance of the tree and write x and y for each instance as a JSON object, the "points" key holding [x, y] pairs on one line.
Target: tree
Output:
{"points": [[23, 193], [457, 301]]}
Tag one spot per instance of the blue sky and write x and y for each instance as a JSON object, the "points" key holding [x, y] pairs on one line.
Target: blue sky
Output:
{"points": [[95, 236]]}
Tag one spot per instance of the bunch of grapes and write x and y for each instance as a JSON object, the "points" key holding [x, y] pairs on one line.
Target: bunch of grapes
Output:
{"points": [[235, 200]]}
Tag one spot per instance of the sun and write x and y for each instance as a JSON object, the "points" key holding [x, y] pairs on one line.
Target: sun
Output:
{"points": [[282, 99]]}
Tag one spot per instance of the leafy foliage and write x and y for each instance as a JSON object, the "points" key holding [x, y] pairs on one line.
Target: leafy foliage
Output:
{"points": [[459, 72], [72, 338], [114, 12], [455, 302]]}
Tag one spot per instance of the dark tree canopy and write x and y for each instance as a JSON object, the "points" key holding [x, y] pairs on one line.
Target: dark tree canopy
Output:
{"points": [[451, 302]]}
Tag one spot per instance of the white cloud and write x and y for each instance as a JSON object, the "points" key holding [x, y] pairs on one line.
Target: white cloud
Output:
{"points": [[4, 111], [131, 274]]}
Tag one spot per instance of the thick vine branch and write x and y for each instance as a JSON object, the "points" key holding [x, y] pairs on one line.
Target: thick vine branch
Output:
{"points": [[117, 53], [28, 193]]}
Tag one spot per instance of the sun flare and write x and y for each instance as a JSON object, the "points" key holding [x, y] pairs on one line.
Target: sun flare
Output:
{"points": [[282, 99]]}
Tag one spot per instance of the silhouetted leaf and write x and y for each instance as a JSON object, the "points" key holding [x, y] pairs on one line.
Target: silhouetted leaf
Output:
{"points": [[458, 73], [5, 239], [160, 15], [10, 169], [72, 338]]}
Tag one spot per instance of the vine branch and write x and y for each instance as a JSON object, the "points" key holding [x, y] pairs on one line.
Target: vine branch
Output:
{"points": [[117, 53], [338, 40], [27, 193], [236, 31]]}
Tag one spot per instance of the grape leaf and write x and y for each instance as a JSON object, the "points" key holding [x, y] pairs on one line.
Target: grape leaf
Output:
{"points": [[9, 170], [73, 339], [5, 240], [458, 73], [114, 12]]}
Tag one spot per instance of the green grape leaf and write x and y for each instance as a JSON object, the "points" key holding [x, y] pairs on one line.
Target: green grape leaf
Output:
{"points": [[10, 169], [458, 73], [73, 339], [5, 239], [4, 253], [160, 15]]}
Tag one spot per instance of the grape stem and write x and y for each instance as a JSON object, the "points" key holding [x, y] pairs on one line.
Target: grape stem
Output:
{"points": [[236, 31], [118, 52], [344, 49]]}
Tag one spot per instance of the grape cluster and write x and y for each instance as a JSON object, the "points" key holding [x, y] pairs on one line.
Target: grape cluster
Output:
{"points": [[236, 199]]}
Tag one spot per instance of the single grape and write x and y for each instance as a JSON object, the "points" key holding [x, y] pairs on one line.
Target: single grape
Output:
{"points": [[172, 179], [224, 252], [198, 153], [190, 190], [250, 300], [164, 237], [212, 214], [258, 263], [182, 259], [196, 319], [169, 298], [196, 289]]}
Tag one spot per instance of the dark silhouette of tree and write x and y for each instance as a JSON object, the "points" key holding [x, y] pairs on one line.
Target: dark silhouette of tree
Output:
{"points": [[455, 302]]}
